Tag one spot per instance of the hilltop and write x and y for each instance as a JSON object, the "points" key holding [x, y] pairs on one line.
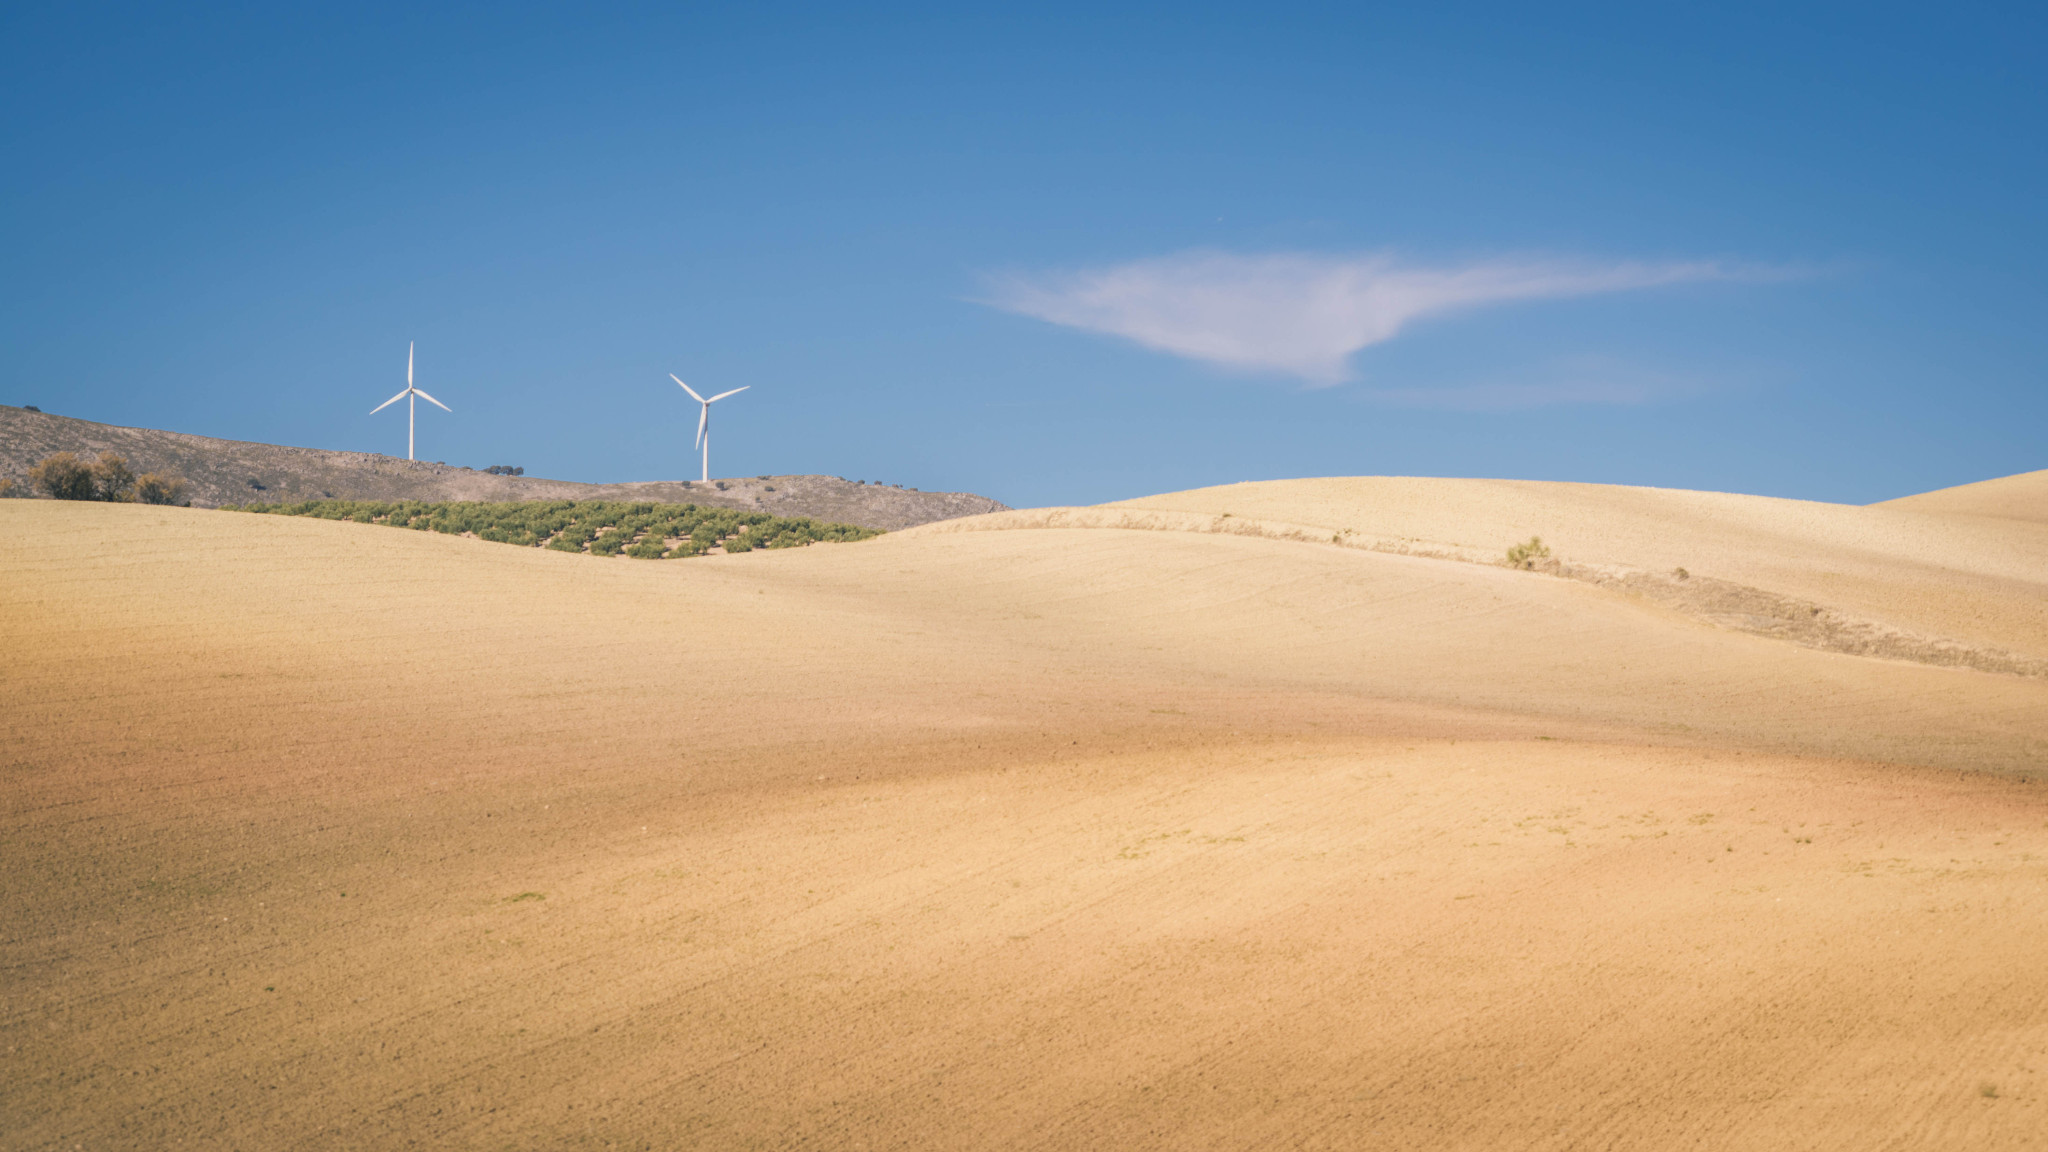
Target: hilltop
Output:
{"points": [[239, 472], [2021, 497]]}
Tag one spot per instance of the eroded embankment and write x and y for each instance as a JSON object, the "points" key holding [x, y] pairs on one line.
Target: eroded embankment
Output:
{"points": [[1722, 603]]}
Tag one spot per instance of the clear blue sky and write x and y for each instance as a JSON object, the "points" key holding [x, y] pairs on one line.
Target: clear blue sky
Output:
{"points": [[1052, 256]]}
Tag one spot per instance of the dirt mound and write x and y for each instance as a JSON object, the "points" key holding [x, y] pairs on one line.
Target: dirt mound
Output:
{"points": [[238, 472]]}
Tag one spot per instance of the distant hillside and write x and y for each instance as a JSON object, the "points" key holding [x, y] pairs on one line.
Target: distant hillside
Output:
{"points": [[2021, 497], [238, 472]]}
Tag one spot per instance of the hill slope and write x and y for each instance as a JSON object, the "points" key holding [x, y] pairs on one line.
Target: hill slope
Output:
{"points": [[238, 472], [2021, 497], [1977, 582], [323, 835]]}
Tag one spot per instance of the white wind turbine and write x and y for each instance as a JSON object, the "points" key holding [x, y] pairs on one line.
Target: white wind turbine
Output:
{"points": [[704, 418], [412, 406]]}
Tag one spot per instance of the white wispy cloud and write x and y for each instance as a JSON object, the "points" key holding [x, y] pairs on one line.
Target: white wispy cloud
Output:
{"points": [[1306, 315]]}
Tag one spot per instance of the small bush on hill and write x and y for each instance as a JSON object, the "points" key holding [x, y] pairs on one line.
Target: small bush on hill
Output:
{"points": [[156, 488], [64, 476], [112, 477], [503, 534], [1526, 554]]}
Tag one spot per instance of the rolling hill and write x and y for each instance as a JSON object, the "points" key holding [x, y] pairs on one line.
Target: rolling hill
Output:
{"points": [[2021, 497], [1139, 826], [239, 472]]}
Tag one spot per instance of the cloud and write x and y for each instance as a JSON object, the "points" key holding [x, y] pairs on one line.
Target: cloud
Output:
{"points": [[1305, 315]]}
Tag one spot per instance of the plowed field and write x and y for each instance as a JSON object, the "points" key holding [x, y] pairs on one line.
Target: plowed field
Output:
{"points": [[323, 835]]}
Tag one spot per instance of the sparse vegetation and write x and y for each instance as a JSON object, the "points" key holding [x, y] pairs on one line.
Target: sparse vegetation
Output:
{"points": [[155, 488], [1527, 554], [600, 527], [220, 472], [112, 478], [63, 476]]}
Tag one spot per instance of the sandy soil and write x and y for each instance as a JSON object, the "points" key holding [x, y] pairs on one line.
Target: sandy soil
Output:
{"points": [[2022, 497], [1967, 578], [322, 835]]}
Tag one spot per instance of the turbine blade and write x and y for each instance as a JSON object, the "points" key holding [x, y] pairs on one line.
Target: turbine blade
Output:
{"points": [[703, 422], [686, 388], [723, 395], [408, 364], [431, 400], [390, 402]]}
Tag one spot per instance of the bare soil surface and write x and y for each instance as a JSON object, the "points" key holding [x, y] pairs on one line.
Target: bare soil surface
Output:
{"points": [[1975, 580], [2006, 596], [2021, 497], [320, 836], [238, 472]]}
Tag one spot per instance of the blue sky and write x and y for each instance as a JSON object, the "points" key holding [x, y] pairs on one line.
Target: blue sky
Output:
{"points": [[1053, 255]]}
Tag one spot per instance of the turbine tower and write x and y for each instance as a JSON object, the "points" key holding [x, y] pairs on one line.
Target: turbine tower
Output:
{"points": [[412, 405], [704, 419]]}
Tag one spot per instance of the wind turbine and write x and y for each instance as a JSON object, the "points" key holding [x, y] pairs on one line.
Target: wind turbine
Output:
{"points": [[411, 406], [704, 419]]}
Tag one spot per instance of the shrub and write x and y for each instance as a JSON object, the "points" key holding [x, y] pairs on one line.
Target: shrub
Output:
{"points": [[156, 488], [64, 476], [650, 547], [112, 477], [1526, 554]]}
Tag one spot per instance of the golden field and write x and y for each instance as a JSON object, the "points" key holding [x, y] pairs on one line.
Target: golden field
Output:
{"points": [[1250, 817]]}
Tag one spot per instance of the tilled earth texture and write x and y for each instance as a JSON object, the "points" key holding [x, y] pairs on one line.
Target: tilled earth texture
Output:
{"points": [[321, 836]]}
